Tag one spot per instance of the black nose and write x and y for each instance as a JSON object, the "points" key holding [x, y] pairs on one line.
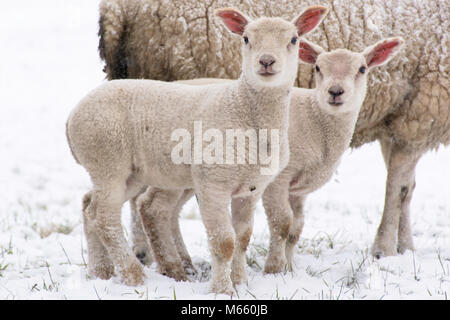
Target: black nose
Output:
{"points": [[336, 91], [267, 60]]}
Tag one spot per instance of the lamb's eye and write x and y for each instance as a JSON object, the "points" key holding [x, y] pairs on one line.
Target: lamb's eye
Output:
{"points": [[317, 68], [363, 69], [246, 40], [294, 40]]}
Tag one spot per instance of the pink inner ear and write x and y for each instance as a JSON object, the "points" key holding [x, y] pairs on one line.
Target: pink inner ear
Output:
{"points": [[308, 21], [306, 53], [381, 53], [234, 21]]}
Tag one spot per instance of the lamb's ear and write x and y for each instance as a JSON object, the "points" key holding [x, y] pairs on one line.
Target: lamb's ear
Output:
{"points": [[383, 51], [233, 19], [309, 19], [308, 52]]}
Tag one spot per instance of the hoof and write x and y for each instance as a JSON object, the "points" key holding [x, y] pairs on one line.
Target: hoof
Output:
{"points": [[227, 290], [134, 275], [382, 251], [174, 271], [275, 266], [101, 271], [144, 257]]}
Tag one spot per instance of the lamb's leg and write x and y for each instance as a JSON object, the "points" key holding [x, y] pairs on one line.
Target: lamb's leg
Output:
{"points": [[297, 204], [99, 263], [176, 233], [215, 216], [155, 207], [138, 238], [400, 184], [103, 214], [242, 217], [279, 215]]}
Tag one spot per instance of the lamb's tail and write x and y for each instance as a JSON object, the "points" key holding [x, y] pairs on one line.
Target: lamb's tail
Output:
{"points": [[112, 33], [70, 142]]}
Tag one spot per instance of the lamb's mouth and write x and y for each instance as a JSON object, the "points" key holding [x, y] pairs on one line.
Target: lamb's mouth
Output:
{"points": [[335, 103], [267, 73]]}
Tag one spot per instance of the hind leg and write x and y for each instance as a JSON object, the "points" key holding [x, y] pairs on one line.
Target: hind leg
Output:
{"points": [[104, 216], [139, 240], [394, 232], [99, 263], [156, 207], [297, 204], [176, 233]]}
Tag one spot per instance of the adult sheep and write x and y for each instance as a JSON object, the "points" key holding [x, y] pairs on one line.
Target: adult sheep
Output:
{"points": [[407, 106]]}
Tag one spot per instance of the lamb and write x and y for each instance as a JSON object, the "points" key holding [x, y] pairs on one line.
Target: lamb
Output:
{"points": [[407, 104], [321, 125], [122, 133]]}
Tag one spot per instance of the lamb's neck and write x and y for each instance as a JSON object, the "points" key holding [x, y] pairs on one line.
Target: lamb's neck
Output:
{"points": [[336, 129], [264, 106]]}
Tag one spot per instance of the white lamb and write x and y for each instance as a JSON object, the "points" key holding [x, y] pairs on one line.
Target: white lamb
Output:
{"points": [[121, 134]]}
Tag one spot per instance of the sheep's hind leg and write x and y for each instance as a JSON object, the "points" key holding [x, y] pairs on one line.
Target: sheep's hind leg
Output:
{"points": [[176, 233], [156, 207], [279, 215], [99, 263], [399, 187], [105, 213], [297, 205], [139, 240], [242, 217]]}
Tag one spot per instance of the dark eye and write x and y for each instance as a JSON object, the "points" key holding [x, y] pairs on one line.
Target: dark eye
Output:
{"points": [[317, 68], [246, 40], [294, 40], [362, 69]]}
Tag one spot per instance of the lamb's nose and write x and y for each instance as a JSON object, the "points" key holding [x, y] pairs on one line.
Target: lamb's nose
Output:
{"points": [[336, 91], [267, 60]]}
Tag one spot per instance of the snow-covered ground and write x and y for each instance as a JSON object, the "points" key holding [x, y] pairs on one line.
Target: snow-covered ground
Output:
{"points": [[48, 61]]}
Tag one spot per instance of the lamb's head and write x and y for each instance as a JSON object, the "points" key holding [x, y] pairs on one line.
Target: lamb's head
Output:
{"points": [[341, 75], [270, 45]]}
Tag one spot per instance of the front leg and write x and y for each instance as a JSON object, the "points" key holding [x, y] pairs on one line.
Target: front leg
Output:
{"points": [[215, 216], [399, 187], [280, 216], [242, 216]]}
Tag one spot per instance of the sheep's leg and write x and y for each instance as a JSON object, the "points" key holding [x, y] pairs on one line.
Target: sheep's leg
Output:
{"points": [[104, 214], [99, 263], [176, 233], [399, 187], [156, 207], [215, 216], [297, 204], [242, 217], [139, 241], [280, 216]]}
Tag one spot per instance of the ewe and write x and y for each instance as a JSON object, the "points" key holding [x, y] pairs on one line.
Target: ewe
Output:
{"points": [[121, 134], [407, 107]]}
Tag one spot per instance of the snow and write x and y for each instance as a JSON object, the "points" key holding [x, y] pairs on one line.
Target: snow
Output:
{"points": [[49, 61]]}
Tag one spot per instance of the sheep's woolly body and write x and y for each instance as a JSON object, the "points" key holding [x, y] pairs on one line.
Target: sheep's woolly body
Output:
{"points": [[121, 133], [407, 101]]}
